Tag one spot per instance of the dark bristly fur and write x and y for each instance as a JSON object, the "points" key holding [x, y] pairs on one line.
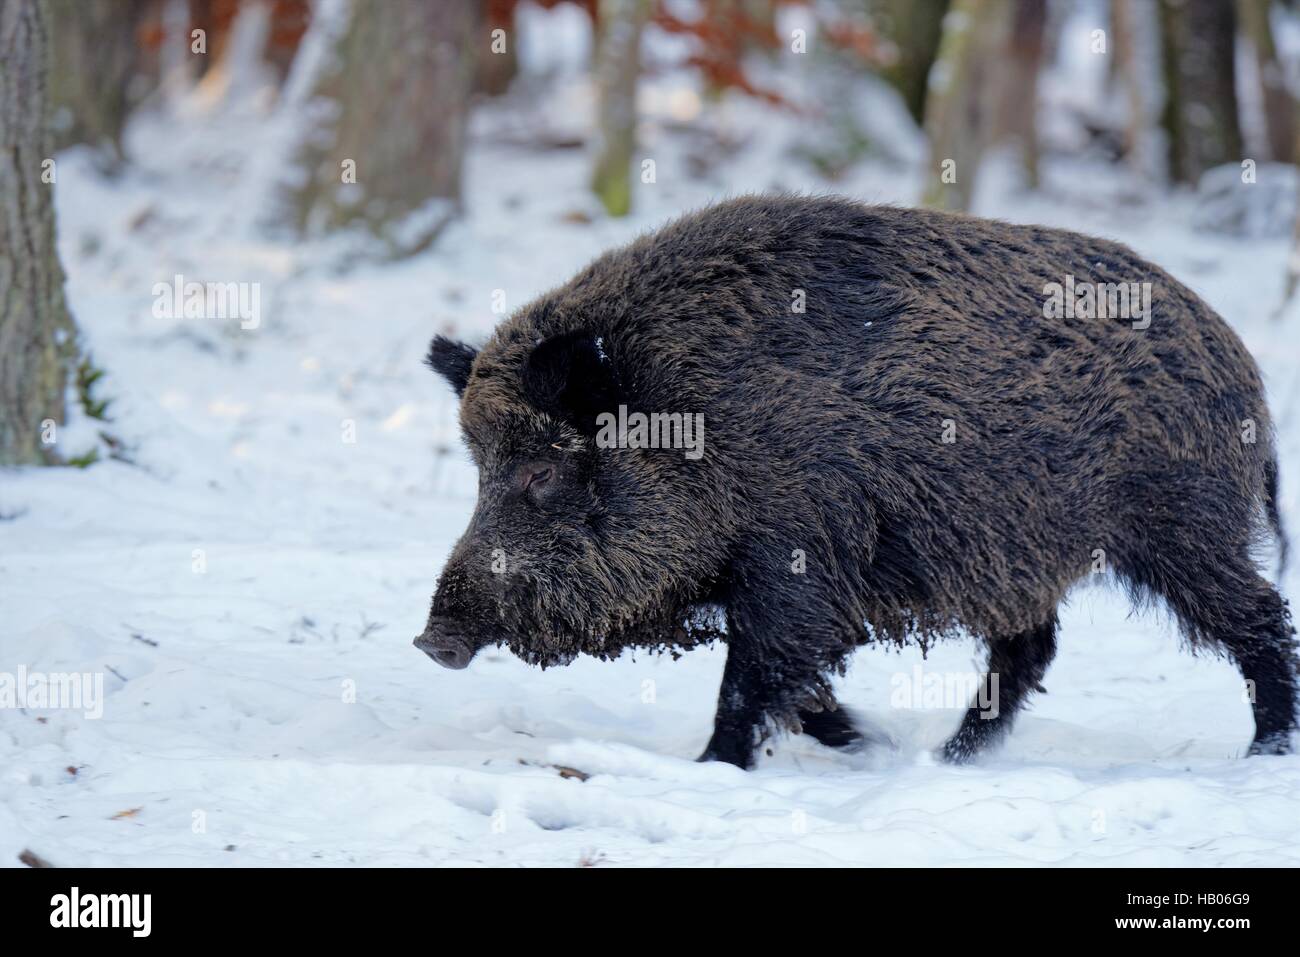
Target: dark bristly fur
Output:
{"points": [[824, 437]]}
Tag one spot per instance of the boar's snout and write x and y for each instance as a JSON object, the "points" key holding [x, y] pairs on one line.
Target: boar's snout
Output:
{"points": [[446, 644]]}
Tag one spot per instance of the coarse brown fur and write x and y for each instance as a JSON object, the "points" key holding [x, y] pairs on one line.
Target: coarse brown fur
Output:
{"points": [[920, 450]]}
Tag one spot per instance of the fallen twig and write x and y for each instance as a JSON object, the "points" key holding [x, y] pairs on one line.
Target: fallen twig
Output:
{"points": [[32, 859]]}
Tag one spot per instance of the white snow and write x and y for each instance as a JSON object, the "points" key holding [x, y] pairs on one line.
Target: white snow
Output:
{"points": [[249, 588]]}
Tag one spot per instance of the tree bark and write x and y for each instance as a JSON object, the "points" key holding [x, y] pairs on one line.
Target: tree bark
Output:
{"points": [[496, 69], [396, 84], [1200, 114], [1019, 95], [37, 336], [1279, 107], [914, 28], [1293, 261], [95, 78], [1123, 30], [618, 62], [962, 103]]}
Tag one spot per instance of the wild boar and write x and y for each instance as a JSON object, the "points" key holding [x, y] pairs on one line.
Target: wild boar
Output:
{"points": [[914, 425]]}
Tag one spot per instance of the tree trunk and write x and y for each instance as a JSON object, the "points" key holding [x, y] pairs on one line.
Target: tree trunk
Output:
{"points": [[962, 104], [37, 337], [1200, 114], [384, 150], [1124, 38], [1279, 108], [618, 62], [914, 28], [1019, 95], [96, 77], [498, 62], [1293, 261]]}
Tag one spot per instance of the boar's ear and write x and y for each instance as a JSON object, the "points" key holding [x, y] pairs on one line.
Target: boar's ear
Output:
{"points": [[451, 360], [569, 375]]}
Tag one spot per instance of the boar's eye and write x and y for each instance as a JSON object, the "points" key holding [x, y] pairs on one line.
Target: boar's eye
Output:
{"points": [[536, 476]]}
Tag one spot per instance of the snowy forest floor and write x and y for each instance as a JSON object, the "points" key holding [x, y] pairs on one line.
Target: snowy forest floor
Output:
{"points": [[250, 584]]}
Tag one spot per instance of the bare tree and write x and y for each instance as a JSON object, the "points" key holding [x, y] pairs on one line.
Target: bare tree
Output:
{"points": [[96, 76], [385, 152], [1019, 95], [1124, 32], [962, 108], [1200, 114], [913, 28], [498, 62], [618, 62], [1279, 107], [37, 335], [1292, 265]]}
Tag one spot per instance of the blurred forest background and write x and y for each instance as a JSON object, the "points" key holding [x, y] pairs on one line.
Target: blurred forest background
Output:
{"points": [[1191, 94]]}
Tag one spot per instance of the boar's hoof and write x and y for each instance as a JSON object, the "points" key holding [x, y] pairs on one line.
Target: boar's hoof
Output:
{"points": [[958, 750], [832, 728], [1271, 744], [729, 752]]}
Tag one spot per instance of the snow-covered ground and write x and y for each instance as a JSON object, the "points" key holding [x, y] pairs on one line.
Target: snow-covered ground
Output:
{"points": [[250, 586]]}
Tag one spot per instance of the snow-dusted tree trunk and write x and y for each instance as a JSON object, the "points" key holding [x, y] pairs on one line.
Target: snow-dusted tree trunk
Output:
{"points": [[1279, 106], [618, 62], [964, 93], [384, 131], [37, 339], [1198, 40]]}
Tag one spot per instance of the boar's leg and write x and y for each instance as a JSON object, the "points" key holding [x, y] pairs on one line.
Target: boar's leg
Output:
{"points": [[1263, 646], [738, 725], [1244, 615], [778, 659], [1016, 668], [1221, 602], [755, 698], [738, 730], [1253, 625]]}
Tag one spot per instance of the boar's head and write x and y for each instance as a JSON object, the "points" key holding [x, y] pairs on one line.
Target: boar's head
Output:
{"points": [[572, 548]]}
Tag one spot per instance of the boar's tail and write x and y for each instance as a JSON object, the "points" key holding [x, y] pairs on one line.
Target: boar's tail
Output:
{"points": [[1274, 515]]}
